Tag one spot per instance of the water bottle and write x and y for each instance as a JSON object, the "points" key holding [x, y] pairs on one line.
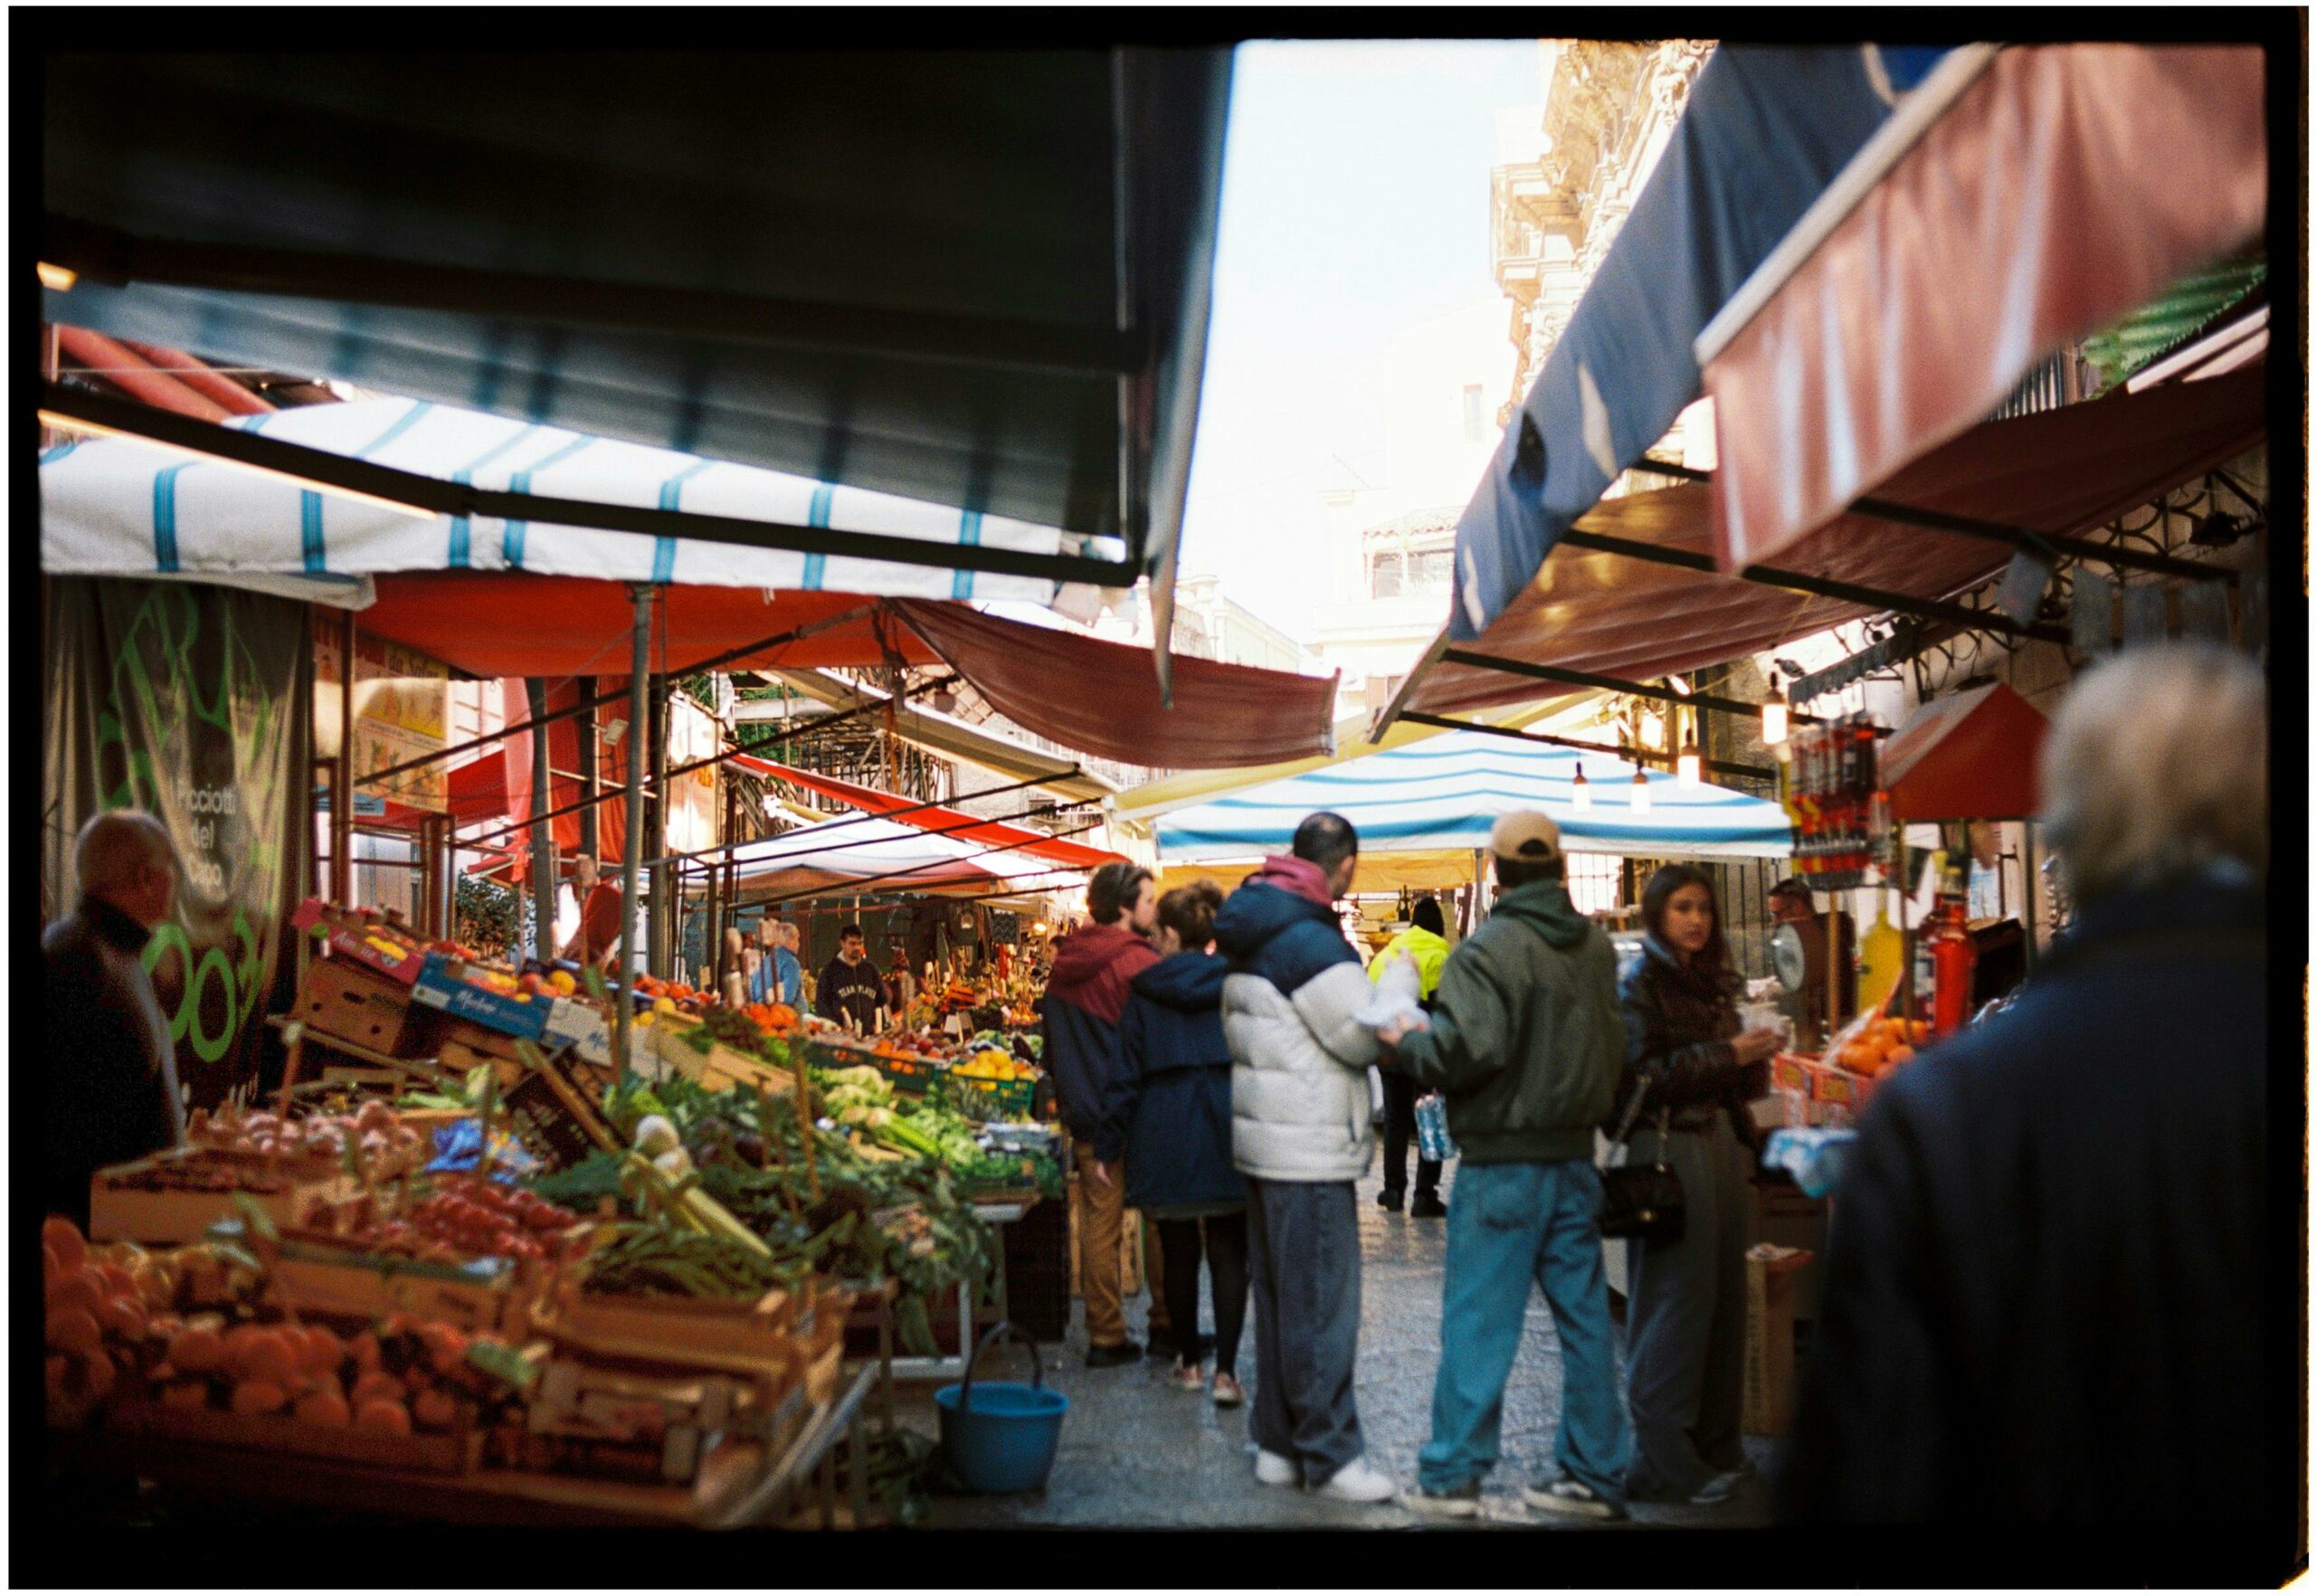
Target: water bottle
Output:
{"points": [[1432, 1140]]}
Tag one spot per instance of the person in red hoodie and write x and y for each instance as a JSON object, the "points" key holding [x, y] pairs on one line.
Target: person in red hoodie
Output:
{"points": [[1093, 975]]}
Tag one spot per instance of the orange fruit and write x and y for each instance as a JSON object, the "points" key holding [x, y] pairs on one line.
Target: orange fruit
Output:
{"points": [[435, 1410], [259, 1396], [377, 1386], [76, 1331], [1899, 1054], [96, 1375], [198, 1352], [64, 1236], [190, 1393], [124, 1317], [390, 1417], [323, 1407], [118, 1281], [323, 1351], [72, 1293]]}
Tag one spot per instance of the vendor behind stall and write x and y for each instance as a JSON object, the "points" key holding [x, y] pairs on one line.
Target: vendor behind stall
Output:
{"points": [[602, 922], [111, 1078], [850, 990]]}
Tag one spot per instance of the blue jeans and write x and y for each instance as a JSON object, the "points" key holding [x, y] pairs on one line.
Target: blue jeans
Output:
{"points": [[1507, 1224]]}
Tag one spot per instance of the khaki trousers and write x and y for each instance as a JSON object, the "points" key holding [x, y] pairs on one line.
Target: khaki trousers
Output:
{"points": [[1101, 1277]]}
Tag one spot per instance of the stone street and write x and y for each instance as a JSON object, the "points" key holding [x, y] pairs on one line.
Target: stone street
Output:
{"points": [[1135, 1453]]}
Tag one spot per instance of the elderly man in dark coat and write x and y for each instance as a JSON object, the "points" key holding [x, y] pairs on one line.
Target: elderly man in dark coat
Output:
{"points": [[110, 1071], [2049, 1291]]}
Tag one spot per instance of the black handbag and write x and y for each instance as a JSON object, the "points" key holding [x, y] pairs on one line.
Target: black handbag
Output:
{"points": [[1642, 1202]]}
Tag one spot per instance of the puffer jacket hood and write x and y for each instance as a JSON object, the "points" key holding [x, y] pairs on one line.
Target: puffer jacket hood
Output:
{"points": [[1092, 978], [1258, 911], [1187, 980], [1546, 906]]}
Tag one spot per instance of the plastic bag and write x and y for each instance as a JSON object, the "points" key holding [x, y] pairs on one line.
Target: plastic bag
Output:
{"points": [[1398, 998], [458, 1147]]}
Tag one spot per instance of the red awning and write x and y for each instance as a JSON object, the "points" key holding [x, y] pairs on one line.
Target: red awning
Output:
{"points": [[2067, 185], [1101, 698], [1971, 756], [1082, 692], [955, 824], [2061, 471]]}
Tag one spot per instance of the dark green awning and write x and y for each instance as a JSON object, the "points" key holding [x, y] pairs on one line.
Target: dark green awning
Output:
{"points": [[900, 272]]}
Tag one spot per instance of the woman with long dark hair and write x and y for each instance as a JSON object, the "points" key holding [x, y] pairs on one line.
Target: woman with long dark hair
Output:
{"points": [[1167, 1112], [1686, 1323]]}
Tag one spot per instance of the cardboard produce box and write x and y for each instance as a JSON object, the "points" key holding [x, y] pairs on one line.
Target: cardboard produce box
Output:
{"points": [[1769, 1272], [355, 1004]]}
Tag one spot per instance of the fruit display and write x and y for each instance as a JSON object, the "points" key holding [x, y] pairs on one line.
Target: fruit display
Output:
{"points": [[995, 1064], [463, 1220], [379, 1145], [1882, 1043]]}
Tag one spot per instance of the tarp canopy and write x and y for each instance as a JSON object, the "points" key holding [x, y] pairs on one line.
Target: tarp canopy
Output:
{"points": [[1764, 133], [904, 271], [1448, 792], [1083, 693], [950, 736], [887, 858], [125, 507], [938, 819], [2061, 471], [2064, 185]]}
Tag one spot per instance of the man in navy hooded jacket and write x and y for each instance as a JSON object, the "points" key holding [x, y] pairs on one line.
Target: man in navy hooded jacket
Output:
{"points": [[1093, 975]]}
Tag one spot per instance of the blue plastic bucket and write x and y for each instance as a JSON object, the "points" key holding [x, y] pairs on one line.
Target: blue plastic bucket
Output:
{"points": [[1000, 1435]]}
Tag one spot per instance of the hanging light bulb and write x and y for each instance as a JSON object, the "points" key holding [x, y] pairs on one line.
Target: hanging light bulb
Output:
{"points": [[1652, 729], [1580, 791], [1690, 765], [1774, 715], [1640, 792]]}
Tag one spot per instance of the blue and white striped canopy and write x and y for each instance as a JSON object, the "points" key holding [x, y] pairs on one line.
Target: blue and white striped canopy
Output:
{"points": [[1447, 792], [125, 507]]}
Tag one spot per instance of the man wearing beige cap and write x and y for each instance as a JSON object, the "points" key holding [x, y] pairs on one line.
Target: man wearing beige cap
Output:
{"points": [[1524, 1041]]}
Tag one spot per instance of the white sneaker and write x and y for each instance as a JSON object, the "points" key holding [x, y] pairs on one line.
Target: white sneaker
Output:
{"points": [[1271, 1469], [1358, 1481]]}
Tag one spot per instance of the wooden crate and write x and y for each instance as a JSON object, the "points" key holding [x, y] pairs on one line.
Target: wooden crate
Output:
{"points": [[719, 1068], [312, 1277], [355, 1004], [122, 1211], [1768, 1338], [457, 1452]]}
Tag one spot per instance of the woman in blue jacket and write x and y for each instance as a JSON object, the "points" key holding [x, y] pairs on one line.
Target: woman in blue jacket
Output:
{"points": [[1167, 1112]]}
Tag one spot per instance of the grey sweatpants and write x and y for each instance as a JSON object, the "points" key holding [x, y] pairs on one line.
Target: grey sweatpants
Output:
{"points": [[1302, 1260], [1684, 1361]]}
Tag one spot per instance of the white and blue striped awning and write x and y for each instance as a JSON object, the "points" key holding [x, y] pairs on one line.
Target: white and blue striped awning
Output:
{"points": [[117, 506], [1447, 792]]}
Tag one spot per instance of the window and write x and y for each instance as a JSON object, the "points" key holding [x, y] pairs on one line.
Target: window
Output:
{"points": [[1471, 413], [1430, 570], [1384, 580], [1592, 882]]}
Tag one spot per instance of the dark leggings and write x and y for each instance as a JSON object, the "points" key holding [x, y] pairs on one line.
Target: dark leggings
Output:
{"points": [[1398, 1129], [1225, 1250]]}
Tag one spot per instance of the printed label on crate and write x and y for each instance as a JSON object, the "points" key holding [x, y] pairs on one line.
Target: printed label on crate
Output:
{"points": [[1831, 1084], [1789, 1070], [438, 988], [345, 934], [582, 1026]]}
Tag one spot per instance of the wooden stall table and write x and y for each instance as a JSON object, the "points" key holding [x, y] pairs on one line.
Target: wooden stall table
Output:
{"points": [[739, 1484]]}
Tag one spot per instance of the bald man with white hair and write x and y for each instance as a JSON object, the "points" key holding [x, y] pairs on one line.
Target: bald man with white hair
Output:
{"points": [[110, 1070]]}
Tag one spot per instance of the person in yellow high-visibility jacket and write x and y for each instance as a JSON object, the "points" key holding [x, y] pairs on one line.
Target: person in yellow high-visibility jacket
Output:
{"points": [[1425, 944]]}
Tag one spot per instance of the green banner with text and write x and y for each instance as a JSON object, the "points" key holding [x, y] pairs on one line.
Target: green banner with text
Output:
{"points": [[193, 702]]}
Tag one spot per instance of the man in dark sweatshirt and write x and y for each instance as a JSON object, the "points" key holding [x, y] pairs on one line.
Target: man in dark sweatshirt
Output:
{"points": [[1093, 975], [1524, 1041], [850, 991]]}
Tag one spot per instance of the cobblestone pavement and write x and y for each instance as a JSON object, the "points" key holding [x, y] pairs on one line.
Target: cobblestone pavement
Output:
{"points": [[1134, 1453]]}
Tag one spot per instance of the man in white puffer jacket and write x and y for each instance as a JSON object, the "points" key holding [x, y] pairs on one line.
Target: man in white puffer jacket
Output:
{"points": [[1301, 1134]]}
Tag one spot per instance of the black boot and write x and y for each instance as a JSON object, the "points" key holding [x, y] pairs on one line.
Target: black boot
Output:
{"points": [[1392, 1199], [1428, 1206]]}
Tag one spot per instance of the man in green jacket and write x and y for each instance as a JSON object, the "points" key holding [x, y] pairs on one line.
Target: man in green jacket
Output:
{"points": [[1524, 1041]]}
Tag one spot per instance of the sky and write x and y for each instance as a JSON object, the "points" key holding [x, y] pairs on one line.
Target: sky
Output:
{"points": [[1354, 204]]}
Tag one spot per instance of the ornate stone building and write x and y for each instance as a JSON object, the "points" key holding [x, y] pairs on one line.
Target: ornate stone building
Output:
{"points": [[1568, 172]]}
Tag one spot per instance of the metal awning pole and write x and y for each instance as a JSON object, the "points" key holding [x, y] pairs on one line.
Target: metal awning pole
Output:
{"points": [[341, 775], [542, 838], [2027, 858], [623, 1020]]}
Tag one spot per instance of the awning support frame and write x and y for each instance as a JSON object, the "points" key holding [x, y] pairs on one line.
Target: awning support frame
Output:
{"points": [[437, 497], [1612, 684], [1630, 755]]}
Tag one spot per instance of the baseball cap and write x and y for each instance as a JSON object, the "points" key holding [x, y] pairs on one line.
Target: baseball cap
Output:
{"points": [[1525, 833]]}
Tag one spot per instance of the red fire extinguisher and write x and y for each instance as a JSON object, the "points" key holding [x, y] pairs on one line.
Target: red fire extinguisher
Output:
{"points": [[1955, 962]]}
